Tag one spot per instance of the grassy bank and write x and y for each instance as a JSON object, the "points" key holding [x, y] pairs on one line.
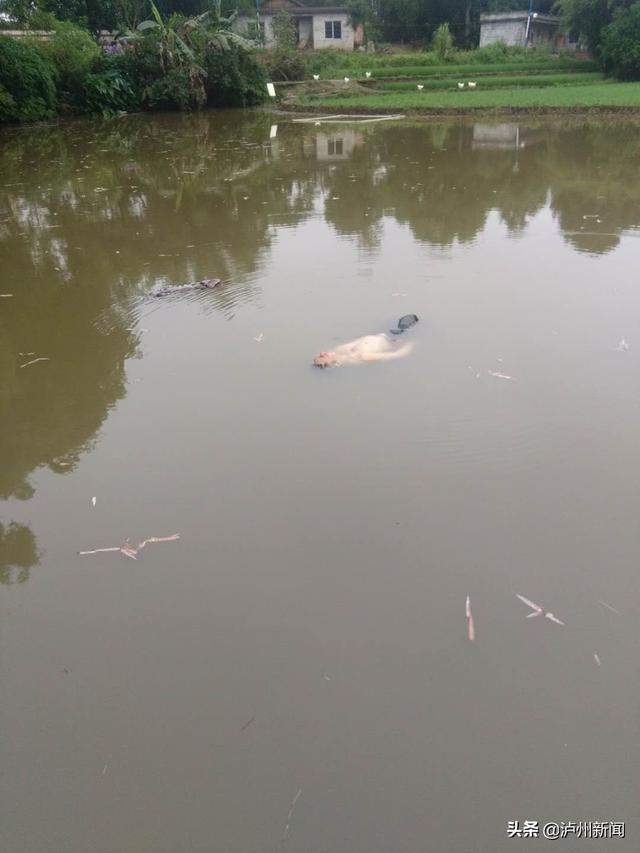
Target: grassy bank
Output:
{"points": [[569, 97]]}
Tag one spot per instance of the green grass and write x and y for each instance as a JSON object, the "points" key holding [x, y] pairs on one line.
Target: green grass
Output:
{"points": [[494, 82], [534, 67], [597, 95], [328, 62]]}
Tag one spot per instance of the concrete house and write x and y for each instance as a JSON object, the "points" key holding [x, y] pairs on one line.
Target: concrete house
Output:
{"points": [[523, 29], [316, 26]]}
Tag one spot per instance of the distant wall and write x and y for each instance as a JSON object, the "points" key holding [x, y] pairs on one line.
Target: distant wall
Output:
{"points": [[511, 32], [511, 28], [38, 35], [319, 39], [311, 30]]}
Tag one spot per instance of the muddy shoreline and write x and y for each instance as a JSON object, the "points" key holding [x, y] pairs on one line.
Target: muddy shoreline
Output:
{"points": [[441, 112]]}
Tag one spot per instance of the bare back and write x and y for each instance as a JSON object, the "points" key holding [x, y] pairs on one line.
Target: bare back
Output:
{"points": [[366, 349]]}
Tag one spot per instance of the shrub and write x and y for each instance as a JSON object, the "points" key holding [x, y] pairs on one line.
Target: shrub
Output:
{"points": [[285, 64], [234, 78], [173, 91], [620, 44], [27, 82], [73, 51], [107, 90], [442, 41]]}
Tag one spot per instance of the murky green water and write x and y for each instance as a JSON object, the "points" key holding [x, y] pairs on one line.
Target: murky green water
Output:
{"points": [[307, 632]]}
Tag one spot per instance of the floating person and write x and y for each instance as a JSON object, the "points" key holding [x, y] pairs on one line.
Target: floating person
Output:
{"points": [[369, 348]]}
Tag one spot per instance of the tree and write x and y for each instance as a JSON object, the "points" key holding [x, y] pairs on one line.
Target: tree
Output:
{"points": [[620, 44], [284, 30], [588, 18]]}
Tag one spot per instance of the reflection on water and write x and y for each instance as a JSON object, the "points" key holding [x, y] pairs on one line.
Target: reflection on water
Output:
{"points": [[92, 216], [307, 632], [18, 553]]}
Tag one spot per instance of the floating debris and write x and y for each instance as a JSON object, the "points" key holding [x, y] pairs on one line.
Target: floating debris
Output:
{"points": [[5, 295], [247, 724], [101, 550], [129, 550], [623, 346], [203, 284], [609, 607], [94, 501], [259, 338], [538, 611], [499, 375], [471, 631], [596, 658], [34, 361], [290, 815]]}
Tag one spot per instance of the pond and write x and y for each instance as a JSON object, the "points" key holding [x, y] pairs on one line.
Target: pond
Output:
{"points": [[295, 671]]}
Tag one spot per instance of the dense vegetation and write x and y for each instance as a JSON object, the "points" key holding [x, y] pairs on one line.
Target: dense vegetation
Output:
{"points": [[174, 63], [27, 83]]}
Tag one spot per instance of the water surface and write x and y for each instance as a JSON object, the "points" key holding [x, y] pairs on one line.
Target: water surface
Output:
{"points": [[307, 633]]}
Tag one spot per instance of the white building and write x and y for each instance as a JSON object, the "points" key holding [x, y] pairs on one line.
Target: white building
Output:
{"points": [[316, 26]]}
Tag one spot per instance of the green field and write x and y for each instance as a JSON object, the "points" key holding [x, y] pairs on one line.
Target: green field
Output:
{"points": [[600, 94], [508, 81], [534, 67]]}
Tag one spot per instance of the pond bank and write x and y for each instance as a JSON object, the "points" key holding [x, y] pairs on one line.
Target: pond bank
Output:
{"points": [[470, 112]]}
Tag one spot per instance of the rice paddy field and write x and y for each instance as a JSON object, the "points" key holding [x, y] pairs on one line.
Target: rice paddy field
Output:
{"points": [[551, 83]]}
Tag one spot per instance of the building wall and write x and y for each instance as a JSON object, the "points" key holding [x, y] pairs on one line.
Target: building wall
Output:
{"points": [[511, 28], [243, 23], [509, 31], [319, 40], [307, 30]]}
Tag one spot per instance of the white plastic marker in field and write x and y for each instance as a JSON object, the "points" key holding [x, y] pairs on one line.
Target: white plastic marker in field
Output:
{"points": [[460, 85], [271, 89], [346, 79], [420, 87], [273, 132], [472, 84], [367, 74], [316, 76]]}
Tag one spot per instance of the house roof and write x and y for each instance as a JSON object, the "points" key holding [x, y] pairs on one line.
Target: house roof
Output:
{"points": [[298, 9]]}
